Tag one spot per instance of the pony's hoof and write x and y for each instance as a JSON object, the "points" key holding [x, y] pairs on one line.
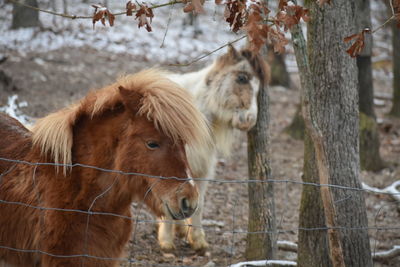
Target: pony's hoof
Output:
{"points": [[200, 246], [182, 231], [167, 247]]}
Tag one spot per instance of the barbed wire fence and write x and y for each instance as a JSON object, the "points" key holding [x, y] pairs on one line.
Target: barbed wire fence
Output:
{"points": [[140, 215]]}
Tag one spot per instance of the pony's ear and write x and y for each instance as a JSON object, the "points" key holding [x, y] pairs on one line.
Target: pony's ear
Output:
{"points": [[260, 67], [130, 99], [230, 58], [247, 53], [233, 53]]}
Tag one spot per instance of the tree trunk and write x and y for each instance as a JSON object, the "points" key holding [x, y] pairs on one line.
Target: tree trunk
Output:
{"points": [[279, 73], [395, 111], [261, 195], [370, 158], [65, 6], [369, 144], [313, 247], [330, 108], [296, 127], [24, 17]]}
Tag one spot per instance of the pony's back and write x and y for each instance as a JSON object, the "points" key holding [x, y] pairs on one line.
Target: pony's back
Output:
{"points": [[15, 140]]}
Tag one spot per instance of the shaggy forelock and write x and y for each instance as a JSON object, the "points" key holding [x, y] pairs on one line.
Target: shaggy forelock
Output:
{"points": [[169, 106]]}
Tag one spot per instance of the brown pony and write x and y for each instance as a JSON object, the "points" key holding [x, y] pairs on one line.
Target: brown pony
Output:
{"points": [[139, 125]]}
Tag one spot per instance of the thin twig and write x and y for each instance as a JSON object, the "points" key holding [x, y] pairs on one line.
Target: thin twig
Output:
{"points": [[86, 17], [206, 54], [391, 6], [383, 25], [388, 20], [168, 23]]}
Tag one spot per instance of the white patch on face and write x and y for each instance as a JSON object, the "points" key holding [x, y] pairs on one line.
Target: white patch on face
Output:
{"points": [[255, 84], [190, 177]]}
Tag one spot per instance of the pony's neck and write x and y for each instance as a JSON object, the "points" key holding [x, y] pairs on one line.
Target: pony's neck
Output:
{"points": [[95, 144], [224, 136]]}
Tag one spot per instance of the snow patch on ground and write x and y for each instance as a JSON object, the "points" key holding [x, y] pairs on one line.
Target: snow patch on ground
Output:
{"points": [[13, 109], [178, 40], [265, 263], [391, 190]]}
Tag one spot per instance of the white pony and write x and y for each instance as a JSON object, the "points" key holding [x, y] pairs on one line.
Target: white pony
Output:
{"points": [[226, 92]]}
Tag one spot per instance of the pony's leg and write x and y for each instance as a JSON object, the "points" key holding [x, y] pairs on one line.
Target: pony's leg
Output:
{"points": [[166, 235], [196, 237], [182, 228]]}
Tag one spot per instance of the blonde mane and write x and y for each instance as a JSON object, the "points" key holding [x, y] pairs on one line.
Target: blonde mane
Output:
{"points": [[169, 106]]}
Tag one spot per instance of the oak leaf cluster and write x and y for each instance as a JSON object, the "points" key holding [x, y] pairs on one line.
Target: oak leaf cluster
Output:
{"points": [[252, 16], [359, 43], [102, 13]]}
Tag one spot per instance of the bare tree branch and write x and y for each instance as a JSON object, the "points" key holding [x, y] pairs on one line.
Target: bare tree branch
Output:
{"points": [[287, 246], [69, 16], [381, 256], [387, 255]]}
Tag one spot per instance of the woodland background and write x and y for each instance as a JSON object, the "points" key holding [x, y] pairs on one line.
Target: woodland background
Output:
{"points": [[48, 67]]}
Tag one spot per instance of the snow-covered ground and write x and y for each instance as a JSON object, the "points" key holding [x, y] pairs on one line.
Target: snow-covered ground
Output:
{"points": [[13, 109], [170, 41]]}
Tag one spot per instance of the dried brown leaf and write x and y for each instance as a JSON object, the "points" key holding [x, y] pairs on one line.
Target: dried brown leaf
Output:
{"points": [[143, 15], [195, 6], [278, 40], [235, 13], [359, 43], [100, 14], [110, 17], [282, 4], [257, 30], [291, 16], [349, 38], [130, 7], [188, 8], [198, 6]]}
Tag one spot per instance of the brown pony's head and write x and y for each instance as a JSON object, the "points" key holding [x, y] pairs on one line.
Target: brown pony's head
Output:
{"points": [[157, 153], [138, 125], [235, 81]]}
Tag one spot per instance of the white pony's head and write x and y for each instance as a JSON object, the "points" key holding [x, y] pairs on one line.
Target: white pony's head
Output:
{"points": [[234, 83]]}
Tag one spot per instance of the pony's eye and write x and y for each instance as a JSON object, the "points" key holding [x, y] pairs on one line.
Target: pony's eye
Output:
{"points": [[242, 78], [152, 144]]}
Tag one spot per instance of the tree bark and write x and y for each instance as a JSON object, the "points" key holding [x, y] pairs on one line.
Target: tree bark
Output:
{"points": [[313, 246], [370, 158], [24, 17], [330, 111], [395, 111], [320, 167], [261, 195]]}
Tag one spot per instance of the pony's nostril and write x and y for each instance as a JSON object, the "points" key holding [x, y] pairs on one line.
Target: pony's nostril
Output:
{"points": [[185, 206]]}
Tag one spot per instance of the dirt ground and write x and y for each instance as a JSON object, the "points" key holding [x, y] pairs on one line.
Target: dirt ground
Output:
{"points": [[52, 80]]}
